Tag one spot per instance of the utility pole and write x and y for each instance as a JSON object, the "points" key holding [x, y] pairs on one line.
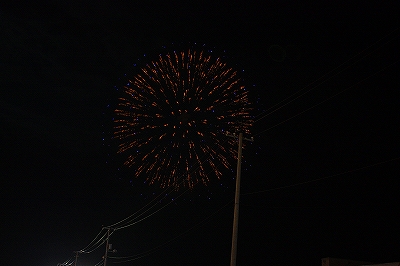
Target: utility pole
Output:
{"points": [[108, 237], [76, 257], [237, 196], [108, 246]]}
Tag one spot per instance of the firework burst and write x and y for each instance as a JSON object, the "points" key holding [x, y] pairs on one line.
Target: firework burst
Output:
{"points": [[172, 118]]}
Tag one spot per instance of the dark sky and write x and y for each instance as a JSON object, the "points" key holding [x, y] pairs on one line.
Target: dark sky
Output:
{"points": [[325, 166]]}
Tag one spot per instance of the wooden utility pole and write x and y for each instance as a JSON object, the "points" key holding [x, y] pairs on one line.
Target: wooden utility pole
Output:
{"points": [[237, 195], [76, 257], [106, 253]]}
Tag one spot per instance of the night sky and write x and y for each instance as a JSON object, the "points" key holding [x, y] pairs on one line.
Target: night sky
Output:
{"points": [[321, 178]]}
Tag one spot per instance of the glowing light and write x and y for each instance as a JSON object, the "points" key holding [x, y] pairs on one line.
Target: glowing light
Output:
{"points": [[170, 120]]}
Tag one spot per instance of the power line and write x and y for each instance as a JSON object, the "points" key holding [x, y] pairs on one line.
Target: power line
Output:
{"points": [[146, 253], [131, 220], [323, 81], [323, 101], [151, 214], [99, 244], [89, 248], [68, 262], [135, 217], [138, 256], [321, 178], [99, 263]]}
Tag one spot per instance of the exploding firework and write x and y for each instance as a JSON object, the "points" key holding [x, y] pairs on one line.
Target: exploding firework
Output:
{"points": [[172, 118]]}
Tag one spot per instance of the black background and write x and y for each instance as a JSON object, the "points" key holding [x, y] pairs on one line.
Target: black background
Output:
{"points": [[60, 61]]}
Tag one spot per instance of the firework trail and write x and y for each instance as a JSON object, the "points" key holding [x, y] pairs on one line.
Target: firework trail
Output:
{"points": [[172, 118]]}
